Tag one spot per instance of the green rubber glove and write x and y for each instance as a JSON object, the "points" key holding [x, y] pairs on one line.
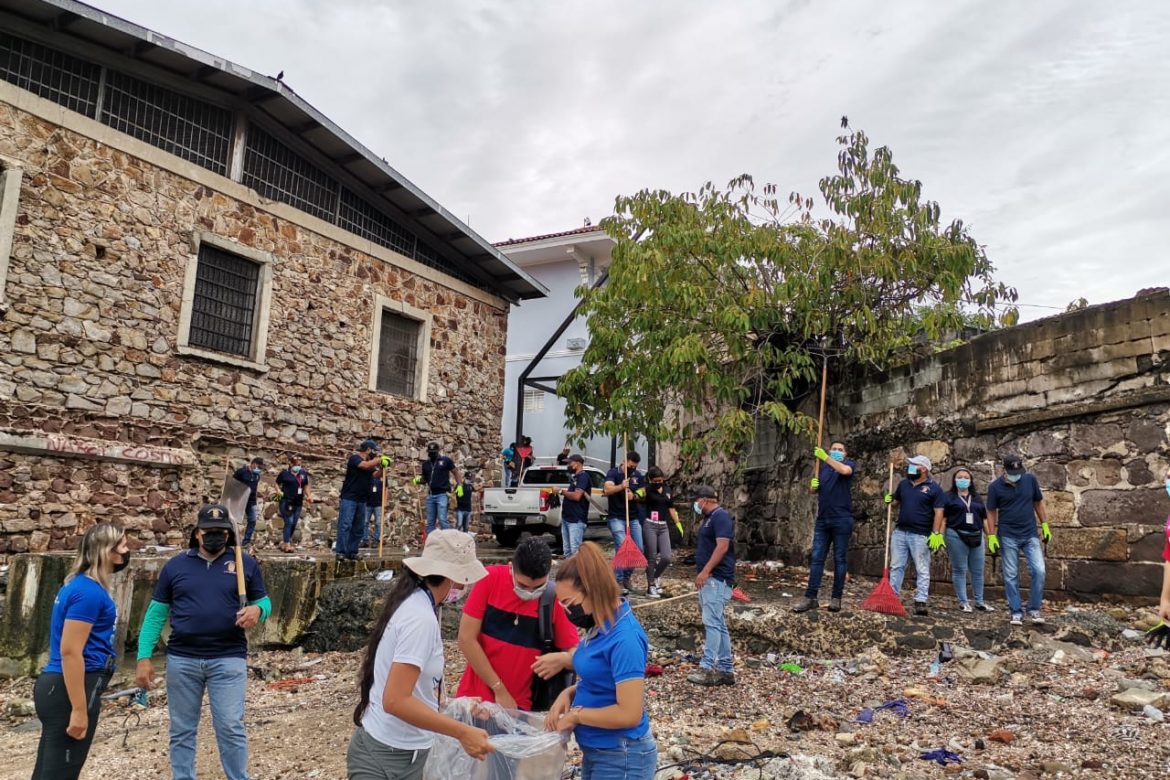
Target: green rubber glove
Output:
{"points": [[992, 544], [936, 542], [1159, 636], [640, 492], [416, 481], [385, 461], [820, 454], [816, 483], [459, 491], [889, 499], [1045, 533]]}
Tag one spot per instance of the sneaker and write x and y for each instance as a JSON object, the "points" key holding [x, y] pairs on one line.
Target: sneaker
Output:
{"points": [[1036, 618], [920, 609], [1017, 619], [625, 588], [984, 607], [725, 678], [965, 607], [653, 592], [805, 604], [708, 677], [834, 605]]}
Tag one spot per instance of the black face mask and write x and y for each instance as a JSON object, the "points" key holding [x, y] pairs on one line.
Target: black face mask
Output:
{"points": [[433, 455], [125, 562], [579, 617], [214, 541]]}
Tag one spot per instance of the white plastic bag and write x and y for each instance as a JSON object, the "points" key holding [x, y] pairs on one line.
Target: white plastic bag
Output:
{"points": [[524, 750]]}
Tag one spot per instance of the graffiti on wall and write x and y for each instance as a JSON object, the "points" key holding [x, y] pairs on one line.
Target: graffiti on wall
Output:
{"points": [[98, 449]]}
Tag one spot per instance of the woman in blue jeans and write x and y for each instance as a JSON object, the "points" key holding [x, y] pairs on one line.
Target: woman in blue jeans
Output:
{"points": [[606, 709], [965, 514]]}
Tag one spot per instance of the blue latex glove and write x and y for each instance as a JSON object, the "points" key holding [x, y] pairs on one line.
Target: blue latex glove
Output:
{"points": [[942, 757]]}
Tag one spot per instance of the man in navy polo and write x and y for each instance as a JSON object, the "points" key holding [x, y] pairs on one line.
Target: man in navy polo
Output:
{"points": [[620, 482], [715, 563], [436, 475], [920, 513], [207, 648], [250, 476], [355, 491], [834, 525], [1014, 502], [575, 506]]}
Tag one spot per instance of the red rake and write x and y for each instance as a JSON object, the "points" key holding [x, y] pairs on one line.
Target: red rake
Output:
{"points": [[884, 599], [628, 556]]}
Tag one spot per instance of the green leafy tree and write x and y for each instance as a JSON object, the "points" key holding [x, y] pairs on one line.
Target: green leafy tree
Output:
{"points": [[721, 303]]}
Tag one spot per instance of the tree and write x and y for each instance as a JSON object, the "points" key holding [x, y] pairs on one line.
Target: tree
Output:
{"points": [[721, 304]]}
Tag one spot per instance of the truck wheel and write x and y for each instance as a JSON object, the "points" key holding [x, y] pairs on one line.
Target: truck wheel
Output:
{"points": [[507, 537]]}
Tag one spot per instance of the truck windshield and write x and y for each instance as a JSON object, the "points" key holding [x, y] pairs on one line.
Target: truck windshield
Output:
{"points": [[546, 477]]}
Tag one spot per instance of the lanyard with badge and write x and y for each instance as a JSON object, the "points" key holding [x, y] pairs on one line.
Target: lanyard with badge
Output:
{"points": [[970, 515]]}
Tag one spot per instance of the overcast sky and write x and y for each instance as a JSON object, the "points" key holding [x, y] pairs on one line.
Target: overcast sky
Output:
{"points": [[1037, 123]]}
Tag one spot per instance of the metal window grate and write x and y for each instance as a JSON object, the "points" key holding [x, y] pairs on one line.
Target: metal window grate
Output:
{"points": [[277, 172], [359, 217], [50, 74], [397, 354], [192, 129], [223, 313], [766, 444], [533, 401]]}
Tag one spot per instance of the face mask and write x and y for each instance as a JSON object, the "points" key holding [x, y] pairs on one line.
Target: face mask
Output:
{"points": [[837, 455], [214, 542], [579, 618], [125, 562], [1014, 477], [296, 469], [524, 594], [433, 455], [256, 472], [912, 470], [962, 484], [454, 594], [698, 509], [1168, 487]]}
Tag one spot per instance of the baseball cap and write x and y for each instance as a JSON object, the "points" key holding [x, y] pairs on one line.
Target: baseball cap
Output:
{"points": [[705, 491], [368, 444], [214, 516], [1013, 465], [433, 446], [576, 458], [921, 461], [448, 553]]}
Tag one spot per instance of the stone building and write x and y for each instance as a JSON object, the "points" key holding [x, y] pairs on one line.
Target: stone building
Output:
{"points": [[196, 266]]}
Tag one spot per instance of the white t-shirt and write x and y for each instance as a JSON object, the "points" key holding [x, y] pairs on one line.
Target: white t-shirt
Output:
{"points": [[412, 637]]}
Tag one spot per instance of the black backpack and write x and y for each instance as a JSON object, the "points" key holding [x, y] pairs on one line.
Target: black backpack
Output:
{"points": [[545, 692]]}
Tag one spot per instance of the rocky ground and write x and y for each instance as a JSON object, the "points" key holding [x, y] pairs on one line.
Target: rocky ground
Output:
{"points": [[1077, 697]]}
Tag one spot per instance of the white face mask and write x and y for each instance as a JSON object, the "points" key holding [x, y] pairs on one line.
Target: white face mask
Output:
{"points": [[454, 595], [524, 594]]}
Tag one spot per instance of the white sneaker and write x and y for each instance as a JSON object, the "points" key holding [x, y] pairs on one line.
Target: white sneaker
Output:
{"points": [[654, 592], [1017, 619], [965, 607], [1036, 618], [984, 607]]}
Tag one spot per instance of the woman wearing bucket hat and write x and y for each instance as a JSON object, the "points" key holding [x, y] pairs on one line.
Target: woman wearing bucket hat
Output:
{"points": [[402, 671]]}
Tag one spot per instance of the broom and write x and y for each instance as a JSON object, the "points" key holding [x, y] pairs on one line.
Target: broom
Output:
{"points": [[883, 598], [628, 556]]}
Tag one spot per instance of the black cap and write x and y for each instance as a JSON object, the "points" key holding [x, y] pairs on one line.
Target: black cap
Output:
{"points": [[433, 447], [368, 444], [214, 516], [1013, 465], [577, 458], [705, 491]]}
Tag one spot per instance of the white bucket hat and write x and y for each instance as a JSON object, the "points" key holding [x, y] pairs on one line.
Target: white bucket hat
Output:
{"points": [[450, 554]]}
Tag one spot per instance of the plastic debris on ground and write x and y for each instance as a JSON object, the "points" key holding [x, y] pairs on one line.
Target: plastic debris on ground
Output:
{"points": [[523, 748], [942, 757]]}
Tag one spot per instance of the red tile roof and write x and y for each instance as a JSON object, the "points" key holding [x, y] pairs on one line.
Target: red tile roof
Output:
{"points": [[575, 231]]}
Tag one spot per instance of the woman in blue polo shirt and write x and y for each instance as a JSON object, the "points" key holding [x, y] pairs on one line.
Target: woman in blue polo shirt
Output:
{"points": [[68, 694], [965, 514], [606, 709]]}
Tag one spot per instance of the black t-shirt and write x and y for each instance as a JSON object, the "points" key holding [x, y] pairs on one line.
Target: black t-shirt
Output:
{"points": [[958, 509], [658, 500], [436, 474], [356, 486], [463, 502], [617, 501], [577, 511]]}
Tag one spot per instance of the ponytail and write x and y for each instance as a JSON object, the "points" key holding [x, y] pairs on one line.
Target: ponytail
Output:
{"points": [[589, 572]]}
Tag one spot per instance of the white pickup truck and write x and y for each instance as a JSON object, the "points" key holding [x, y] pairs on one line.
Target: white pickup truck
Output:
{"points": [[535, 505]]}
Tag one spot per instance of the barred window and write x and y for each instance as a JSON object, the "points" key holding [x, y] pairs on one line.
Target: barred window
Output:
{"points": [[765, 444], [398, 354], [50, 74], [359, 217], [192, 129], [533, 401], [223, 311], [279, 173]]}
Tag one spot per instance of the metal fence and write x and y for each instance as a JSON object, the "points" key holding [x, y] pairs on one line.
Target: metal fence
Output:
{"points": [[50, 74]]}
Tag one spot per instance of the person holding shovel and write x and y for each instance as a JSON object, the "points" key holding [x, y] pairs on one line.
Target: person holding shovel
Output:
{"points": [[834, 525], [294, 494], [920, 514], [207, 650]]}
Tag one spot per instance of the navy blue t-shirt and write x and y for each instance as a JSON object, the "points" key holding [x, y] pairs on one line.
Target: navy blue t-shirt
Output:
{"points": [[1016, 505], [251, 479], [463, 502], [834, 501], [917, 505], [577, 511], [203, 600], [293, 486], [436, 474], [717, 525], [958, 508], [356, 486], [375, 496], [85, 600], [617, 501]]}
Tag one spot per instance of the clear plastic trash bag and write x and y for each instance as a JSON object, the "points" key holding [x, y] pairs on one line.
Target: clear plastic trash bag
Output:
{"points": [[524, 750]]}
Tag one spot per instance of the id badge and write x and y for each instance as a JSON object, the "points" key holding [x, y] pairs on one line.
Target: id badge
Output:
{"points": [[654, 517], [299, 491], [970, 518]]}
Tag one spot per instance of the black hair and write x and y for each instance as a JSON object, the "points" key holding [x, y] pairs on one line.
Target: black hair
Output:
{"points": [[655, 473], [406, 584], [633, 457], [971, 490], [532, 558], [836, 442]]}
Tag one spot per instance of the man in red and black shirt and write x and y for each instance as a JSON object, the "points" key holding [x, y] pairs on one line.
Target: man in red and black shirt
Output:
{"points": [[499, 632]]}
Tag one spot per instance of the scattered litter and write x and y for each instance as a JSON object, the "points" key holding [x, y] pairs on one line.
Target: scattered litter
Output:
{"points": [[1131, 634], [942, 757], [1153, 713], [792, 668], [1002, 736], [654, 670], [737, 594], [384, 576]]}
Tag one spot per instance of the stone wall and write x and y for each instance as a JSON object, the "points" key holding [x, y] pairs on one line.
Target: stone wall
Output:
{"points": [[88, 343], [1083, 397]]}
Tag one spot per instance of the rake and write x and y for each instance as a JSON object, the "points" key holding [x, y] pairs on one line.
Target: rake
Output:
{"points": [[628, 556], [883, 598]]}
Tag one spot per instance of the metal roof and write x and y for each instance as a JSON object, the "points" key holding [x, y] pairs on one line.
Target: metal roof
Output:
{"points": [[114, 42]]}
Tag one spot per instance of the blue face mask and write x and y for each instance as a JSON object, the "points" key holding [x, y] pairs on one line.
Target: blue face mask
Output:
{"points": [[698, 510], [1013, 477], [256, 472], [912, 470], [962, 484], [296, 469], [837, 455], [1168, 486]]}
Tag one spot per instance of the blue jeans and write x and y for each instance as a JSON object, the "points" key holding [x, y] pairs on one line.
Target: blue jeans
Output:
{"points": [[572, 534], [374, 517], [225, 680], [1034, 553], [250, 528], [617, 528], [437, 511], [904, 546], [350, 519], [713, 598], [633, 759], [835, 532], [463, 520], [964, 559], [291, 516]]}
